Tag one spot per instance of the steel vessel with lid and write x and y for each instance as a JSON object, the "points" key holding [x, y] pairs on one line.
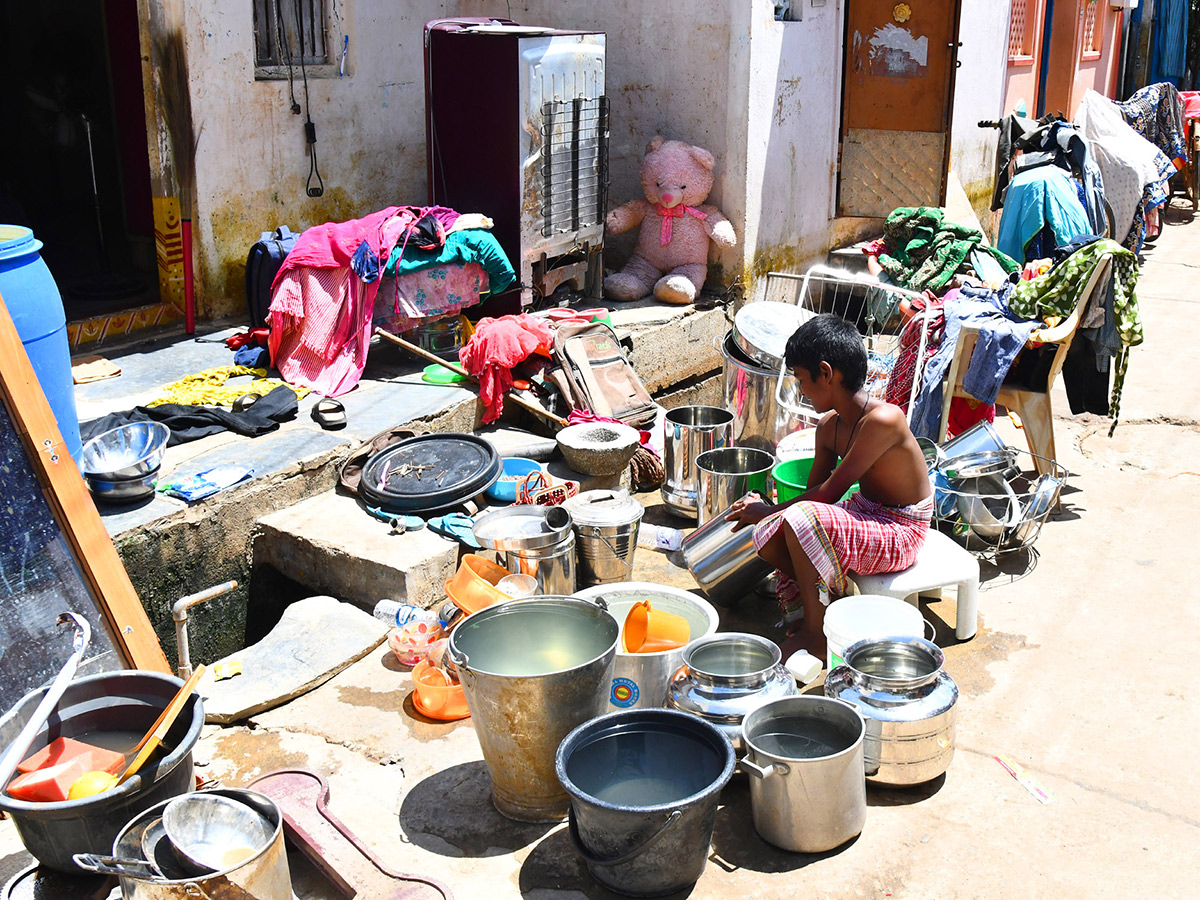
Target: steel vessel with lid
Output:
{"points": [[761, 330], [727, 675], [535, 540], [606, 527], [908, 700]]}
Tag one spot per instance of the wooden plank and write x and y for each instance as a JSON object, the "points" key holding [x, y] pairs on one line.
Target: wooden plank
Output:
{"points": [[71, 505]]}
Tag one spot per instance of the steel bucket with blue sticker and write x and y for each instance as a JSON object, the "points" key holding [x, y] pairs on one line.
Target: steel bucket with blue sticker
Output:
{"points": [[640, 679]]}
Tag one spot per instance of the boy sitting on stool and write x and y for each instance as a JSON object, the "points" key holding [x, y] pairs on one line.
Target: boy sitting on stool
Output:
{"points": [[814, 540]]}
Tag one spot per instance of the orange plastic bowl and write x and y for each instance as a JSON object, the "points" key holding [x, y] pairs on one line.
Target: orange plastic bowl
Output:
{"points": [[473, 586], [434, 698]]}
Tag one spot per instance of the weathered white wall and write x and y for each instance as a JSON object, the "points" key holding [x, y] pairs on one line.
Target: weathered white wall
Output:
{"points": [[763, 96], [979, 94], [251, 156]]}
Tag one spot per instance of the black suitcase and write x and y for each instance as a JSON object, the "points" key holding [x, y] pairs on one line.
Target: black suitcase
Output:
{"points": [[263, 261]]}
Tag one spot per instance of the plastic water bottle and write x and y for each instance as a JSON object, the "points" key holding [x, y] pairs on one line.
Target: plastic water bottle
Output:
{"points": [[659, 537], [393, 612]]}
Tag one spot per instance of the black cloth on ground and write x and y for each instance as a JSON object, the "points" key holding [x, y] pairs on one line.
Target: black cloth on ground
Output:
{"points": [[190, 423]]}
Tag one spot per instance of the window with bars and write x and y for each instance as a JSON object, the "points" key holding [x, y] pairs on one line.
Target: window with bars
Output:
{"points": [[1092, 14], [289, 33], [1022, 29]]}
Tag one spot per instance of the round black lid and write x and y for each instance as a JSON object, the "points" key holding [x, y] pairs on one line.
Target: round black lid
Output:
{"points": [[429, 473]]}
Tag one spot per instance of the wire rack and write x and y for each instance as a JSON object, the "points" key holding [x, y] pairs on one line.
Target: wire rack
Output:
{"points": [[874, 309], [1000, 514]]}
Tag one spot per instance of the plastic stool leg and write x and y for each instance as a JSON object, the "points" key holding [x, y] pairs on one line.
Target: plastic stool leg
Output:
{"points": [[967, 612]]}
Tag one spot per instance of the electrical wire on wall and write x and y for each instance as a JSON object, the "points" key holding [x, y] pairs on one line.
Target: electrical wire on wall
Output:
{"points": [[310, 128]]}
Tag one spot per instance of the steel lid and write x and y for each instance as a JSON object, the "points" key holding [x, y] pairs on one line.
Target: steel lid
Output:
{"points": [[429, 473], [522, 527], [761, 330], [604, 508]]}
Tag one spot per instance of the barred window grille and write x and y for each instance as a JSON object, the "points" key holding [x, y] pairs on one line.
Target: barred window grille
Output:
{"points": [[1021, 28], [574, 164], [290, 32], [1093, 31]]}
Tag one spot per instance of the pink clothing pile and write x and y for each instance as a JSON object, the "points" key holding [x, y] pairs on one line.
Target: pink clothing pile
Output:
{"points": [[496, 346]]}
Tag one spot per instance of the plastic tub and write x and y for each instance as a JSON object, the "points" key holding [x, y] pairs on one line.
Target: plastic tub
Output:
{"points": [[111, 701], [473, 586], [791, 479], [512, 470], [852, 619]]}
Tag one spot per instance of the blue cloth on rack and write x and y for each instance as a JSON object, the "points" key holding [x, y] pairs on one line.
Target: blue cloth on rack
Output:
{"points": [[1037, 198], [466, 246], [1001, 337]]}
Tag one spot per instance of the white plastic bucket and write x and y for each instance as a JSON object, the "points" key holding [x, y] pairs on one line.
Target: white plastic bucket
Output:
{"points": [[640, 680], [868, 616]]}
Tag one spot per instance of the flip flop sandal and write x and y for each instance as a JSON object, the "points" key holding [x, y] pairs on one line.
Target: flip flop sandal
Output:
{"points": [[329, 414], [456, 526], [244, 402]]}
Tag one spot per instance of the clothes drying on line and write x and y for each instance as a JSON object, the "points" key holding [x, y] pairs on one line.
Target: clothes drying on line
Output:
{"points": [[1042, 198]]}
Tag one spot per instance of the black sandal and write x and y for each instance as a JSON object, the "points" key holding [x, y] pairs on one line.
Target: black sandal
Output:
{"points": [[329, 414]]}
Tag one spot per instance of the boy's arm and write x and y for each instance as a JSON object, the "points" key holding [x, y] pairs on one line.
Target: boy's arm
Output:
{"points": [[881, 430]]}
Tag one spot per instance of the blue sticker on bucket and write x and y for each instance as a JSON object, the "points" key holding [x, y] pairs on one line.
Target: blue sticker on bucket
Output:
{"points": [[624, 694]]}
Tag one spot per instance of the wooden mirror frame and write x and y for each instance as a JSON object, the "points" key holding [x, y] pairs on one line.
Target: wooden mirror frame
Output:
{"points": [[71, 505]]}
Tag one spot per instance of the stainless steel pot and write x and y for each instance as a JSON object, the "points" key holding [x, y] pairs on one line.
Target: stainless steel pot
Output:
{"points": [[804, 756], [553, 565], [606, 527], [749, 392], [908, 700], [532, 670], [726, 675], [262, 876], [761, 330], [723, 561], [726, 474], [523, 527], [688, 432]]}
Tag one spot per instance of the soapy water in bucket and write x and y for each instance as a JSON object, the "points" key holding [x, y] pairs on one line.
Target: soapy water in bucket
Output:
{"points": [[646, 768], [799, 737]]}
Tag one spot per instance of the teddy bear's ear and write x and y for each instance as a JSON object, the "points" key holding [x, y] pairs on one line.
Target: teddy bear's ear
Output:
{"points": [[703, 157], [655, 142]]}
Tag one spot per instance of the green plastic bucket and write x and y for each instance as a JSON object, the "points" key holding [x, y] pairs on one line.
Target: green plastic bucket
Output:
{"points": [[791, 479]]}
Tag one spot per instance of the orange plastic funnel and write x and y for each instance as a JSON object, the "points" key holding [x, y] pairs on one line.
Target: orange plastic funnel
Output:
{"points": [[649, 630]]}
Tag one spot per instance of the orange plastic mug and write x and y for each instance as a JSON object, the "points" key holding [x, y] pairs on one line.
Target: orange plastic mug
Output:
{"points": [[649, 630]]}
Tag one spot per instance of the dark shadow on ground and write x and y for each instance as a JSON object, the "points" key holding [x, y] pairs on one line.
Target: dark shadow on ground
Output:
{"points": [[737, 845], [904, 796], [455, 806], [553, 865]]}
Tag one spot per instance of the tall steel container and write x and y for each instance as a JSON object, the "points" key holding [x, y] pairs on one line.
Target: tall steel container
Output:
{"points": [[749, 393]]}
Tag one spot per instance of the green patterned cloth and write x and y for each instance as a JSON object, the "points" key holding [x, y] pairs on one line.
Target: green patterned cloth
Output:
{"points": [[1057, 293], [924, 251]]}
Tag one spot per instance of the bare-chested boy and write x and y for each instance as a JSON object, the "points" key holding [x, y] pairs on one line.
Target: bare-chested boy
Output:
{"points": [[815, 540]]}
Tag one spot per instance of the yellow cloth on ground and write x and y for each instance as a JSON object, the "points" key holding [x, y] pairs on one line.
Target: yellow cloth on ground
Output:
{"points": [[209, 388]]}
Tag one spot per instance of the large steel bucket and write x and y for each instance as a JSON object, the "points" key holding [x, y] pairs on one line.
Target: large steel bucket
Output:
{"points": [[689, 431], [531, 671], [804, 755], [640, 680], [749, 393], [726, 474]]}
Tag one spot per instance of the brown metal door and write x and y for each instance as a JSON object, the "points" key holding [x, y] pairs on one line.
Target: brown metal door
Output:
{"points": [[897, 90]]}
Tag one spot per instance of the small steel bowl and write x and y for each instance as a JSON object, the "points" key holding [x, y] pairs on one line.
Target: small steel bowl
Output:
{"points": [[216, 832], [980, 464], [1038, 503], [128, 451], [122, 490]]}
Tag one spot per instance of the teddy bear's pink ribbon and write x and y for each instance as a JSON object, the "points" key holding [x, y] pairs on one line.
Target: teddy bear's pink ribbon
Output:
{"points": [[674, 212]]}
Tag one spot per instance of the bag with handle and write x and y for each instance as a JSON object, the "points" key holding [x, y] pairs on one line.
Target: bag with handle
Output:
{"points": [[594, 374], [262, 262]]}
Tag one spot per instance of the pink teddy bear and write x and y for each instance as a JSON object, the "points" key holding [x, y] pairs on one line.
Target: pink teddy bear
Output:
{"points": [[671, 257]]}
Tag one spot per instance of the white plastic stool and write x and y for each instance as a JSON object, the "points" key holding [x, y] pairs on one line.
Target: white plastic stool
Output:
{"points": [[940, 563]]}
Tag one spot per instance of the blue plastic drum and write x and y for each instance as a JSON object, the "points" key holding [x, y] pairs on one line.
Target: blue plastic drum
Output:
{"points": [[36, 308]]}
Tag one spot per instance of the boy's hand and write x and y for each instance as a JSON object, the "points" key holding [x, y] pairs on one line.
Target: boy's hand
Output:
{"points": [[750, 510]]}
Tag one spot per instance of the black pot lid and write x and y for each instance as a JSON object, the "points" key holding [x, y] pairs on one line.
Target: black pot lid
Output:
{"points": [[429, 472]]}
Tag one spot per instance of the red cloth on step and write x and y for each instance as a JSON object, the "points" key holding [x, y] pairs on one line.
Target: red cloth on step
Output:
{"points": [[496, 346]]}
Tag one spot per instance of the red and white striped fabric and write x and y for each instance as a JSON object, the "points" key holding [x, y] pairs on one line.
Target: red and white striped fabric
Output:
{"points": [[320, 322], [855, 535]]}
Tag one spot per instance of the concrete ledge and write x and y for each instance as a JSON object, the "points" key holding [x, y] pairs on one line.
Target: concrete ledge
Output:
{"points": [[328, 543], [671, 344]]}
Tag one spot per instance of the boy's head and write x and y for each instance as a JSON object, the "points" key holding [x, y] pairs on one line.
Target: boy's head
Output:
{"points": [[829, 339]]}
